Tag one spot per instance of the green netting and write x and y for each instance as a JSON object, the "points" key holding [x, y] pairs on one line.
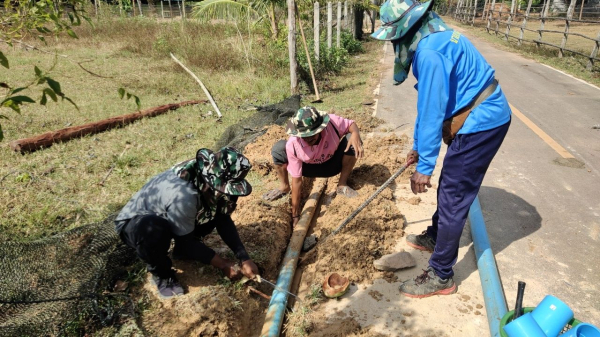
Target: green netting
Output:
{"points": [[47, 283], [244, 132]]}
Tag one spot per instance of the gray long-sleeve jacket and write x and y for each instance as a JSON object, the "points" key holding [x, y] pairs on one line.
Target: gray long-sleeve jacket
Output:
{"points": [[167, 196]]}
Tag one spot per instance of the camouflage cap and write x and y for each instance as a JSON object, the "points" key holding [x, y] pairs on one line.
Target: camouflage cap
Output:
{"points": [[398, 16], [308, 121], [225, 170]]}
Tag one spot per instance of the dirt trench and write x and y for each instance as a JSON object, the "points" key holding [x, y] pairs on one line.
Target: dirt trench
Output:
{"points": [[214, 306]]}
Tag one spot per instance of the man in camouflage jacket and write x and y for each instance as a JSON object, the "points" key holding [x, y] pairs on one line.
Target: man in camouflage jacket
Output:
{"points": [[186, 203]]}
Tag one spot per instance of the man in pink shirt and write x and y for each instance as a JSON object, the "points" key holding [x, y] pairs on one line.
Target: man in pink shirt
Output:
{"points": [[322, 145]]}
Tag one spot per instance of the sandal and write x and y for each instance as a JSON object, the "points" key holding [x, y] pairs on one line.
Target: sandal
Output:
{"points": [[274, 194], [346, 191]]}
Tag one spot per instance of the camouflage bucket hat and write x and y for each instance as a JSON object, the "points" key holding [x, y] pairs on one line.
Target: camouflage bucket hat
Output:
{"points": [[225, 170], [398, 16], [307, 122]]}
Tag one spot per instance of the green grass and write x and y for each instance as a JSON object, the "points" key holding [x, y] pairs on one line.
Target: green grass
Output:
{"points": [[57, 188], [571, 63]]}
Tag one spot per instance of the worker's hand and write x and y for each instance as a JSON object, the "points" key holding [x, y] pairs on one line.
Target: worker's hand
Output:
{"points": [[232, 272], [357, 144], [249, 269], [414, 155], [419, 182], [229, 268]]}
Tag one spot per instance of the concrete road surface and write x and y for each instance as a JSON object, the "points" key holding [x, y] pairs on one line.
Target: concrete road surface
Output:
{"points": [[541, 195]]}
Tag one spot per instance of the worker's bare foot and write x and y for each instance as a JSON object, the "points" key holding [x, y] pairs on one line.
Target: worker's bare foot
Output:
{"points": [[274, 194], [346, 191]]}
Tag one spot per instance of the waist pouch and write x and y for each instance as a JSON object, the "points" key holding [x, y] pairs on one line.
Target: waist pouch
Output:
{"points": [[453, 124]]}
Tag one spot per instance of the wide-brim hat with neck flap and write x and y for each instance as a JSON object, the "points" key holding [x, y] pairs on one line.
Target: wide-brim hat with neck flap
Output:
{"points": [[225, 170], [398, 16], [308, 121]]}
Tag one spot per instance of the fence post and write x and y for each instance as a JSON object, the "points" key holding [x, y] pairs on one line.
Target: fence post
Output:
{"points": [[567, 24], [581, 9], [140, 6], [351, 19], [346, 18], [485, 10], [339, 24], [316, 27], [468, 12], [542, 21], [292, 47], [499, 17], [170, 10], [183, 7], [594, 53], [524, 25], [162, 10], [474, 12], [455, 10], [329, 23], [509, 20], [547, 8], [490, 14]]}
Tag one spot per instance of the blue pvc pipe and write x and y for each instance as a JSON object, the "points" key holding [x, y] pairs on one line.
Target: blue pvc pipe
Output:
{"points": [[493, 293], [278, 303]]}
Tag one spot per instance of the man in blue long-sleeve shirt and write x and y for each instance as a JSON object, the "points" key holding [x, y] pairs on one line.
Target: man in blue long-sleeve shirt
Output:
{"points": [[460, 102]]}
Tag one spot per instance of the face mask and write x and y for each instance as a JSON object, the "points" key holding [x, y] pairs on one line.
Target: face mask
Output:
{"points": [[404, 48]]}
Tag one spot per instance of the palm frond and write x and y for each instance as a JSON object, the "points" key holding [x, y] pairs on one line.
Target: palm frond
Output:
{"points": [[224, 10]]}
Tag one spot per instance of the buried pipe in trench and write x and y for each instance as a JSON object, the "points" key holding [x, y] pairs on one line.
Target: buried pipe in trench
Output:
{"points": [[277, 305], [493, 293]]}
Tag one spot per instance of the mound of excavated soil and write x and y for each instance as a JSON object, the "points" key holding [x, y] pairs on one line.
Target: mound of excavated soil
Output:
{"points": [[374, 231]]}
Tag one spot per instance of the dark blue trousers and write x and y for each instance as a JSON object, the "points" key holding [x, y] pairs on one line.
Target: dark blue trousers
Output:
{"points": [[466, 162]]}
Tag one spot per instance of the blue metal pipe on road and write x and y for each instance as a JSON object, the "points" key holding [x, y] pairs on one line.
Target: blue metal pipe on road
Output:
{"points": [[493, 293]]}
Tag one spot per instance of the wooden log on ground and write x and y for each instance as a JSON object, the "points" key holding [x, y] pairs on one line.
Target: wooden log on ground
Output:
{"points": [[47, 139]]}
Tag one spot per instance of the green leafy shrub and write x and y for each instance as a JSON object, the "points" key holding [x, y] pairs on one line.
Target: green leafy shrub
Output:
{"points": [[352, 45], [331, 60]]}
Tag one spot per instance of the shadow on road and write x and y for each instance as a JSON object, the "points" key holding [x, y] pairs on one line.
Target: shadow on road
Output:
{"points": [[508, 218]]}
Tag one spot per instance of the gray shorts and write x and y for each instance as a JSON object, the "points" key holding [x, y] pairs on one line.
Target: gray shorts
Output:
{"points": [[327, 169]]}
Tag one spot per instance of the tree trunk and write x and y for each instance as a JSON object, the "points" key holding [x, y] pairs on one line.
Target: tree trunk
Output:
{"points": [[359, 16]]}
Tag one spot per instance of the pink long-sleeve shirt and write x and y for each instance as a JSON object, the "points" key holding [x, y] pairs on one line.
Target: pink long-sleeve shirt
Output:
{"points": [[298, 151]]}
